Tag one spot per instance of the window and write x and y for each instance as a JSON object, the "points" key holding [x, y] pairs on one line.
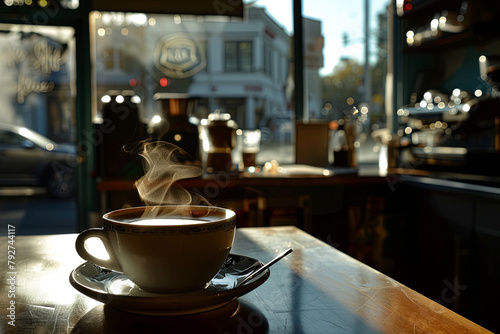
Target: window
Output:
{"points": [[268, 57], [238, 56], [38, 98], [245, 67], [118, 59], [108, 57]]}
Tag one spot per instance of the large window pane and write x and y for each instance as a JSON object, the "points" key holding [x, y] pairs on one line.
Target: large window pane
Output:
{"points": [[37, 128], [245, 67], [338, 76], [239, 67]]}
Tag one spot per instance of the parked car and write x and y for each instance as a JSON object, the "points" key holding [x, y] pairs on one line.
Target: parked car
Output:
{"points": [[29, 159]]}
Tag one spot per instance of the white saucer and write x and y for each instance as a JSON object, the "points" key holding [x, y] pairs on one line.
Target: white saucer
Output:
{"points": [[115, 289]]}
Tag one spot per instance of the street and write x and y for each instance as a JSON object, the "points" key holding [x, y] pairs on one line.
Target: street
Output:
{"points": [[32, 211]]}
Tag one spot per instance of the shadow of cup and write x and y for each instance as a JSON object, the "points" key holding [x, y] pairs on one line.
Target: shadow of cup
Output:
{"points": [[234, 317]]}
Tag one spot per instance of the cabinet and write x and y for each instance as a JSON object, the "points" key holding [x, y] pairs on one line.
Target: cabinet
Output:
{"points": [[447, 56], [455, 246]]}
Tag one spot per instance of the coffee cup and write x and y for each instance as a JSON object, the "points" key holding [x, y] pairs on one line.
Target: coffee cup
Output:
{"points": [[164, 249]]}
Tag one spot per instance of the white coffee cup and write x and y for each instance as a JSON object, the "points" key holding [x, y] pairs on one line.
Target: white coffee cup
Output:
{"points": [[165, 249]]}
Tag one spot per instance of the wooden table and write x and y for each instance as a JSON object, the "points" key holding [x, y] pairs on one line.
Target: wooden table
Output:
{"points": [[316, 289]]}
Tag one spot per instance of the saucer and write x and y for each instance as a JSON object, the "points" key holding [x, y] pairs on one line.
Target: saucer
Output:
{"points": [[115, 289]]}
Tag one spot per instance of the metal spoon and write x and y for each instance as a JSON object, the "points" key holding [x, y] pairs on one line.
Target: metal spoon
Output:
{"points": [[265, 266]]}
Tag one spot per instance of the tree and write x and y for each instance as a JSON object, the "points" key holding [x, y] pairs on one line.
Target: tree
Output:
{"points": [[341, 89]]}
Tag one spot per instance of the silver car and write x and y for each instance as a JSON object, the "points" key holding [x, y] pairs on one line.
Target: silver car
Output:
{"points": [[29, 159]]}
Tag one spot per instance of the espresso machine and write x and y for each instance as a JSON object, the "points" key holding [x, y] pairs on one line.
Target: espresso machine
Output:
{"points": [[459, 132]]}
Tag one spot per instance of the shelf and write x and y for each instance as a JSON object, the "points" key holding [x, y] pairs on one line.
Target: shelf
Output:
{"points": [[458, 40]]}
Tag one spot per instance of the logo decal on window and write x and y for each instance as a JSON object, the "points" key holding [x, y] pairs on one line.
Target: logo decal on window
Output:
{"points": [[179, 56]]}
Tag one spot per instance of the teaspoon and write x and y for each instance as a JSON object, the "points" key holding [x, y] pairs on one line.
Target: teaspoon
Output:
{"points": [[265, 266]]}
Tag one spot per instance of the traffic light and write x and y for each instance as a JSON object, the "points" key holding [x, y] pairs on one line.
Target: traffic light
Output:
{"points": [[407, 5]]}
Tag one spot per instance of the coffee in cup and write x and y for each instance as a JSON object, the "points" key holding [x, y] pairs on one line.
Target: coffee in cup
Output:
{"points": [[164, 249]]}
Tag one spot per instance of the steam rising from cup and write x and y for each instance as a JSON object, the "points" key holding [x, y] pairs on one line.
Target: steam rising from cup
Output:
{"points": [[162, 168]]}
